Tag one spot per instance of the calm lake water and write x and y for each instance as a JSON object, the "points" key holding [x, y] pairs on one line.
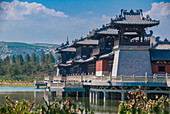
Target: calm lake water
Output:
{"points": [[31, 94]]}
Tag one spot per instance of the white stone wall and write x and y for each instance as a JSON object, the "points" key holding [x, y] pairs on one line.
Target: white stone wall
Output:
{"points": [[101, 73], [115, 63]]}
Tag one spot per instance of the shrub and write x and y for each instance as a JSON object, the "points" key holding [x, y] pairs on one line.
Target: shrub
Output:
{"points": [[138, 103], [57, 107]]}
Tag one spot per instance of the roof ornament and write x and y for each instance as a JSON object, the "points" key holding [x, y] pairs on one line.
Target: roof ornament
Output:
{"points": [[141, 15], [147, 17], [67, 42], [122, 13], [90, 32], [62, 44], [131, 11], [151, 32], [137, 11], [166, 40], [140, 10], [157, 39]]}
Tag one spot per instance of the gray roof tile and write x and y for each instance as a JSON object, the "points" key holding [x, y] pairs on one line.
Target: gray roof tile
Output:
{"points": [[71, 49], [113, 31], [84, 42], [157, 54], [134, 18], [88, 42]]}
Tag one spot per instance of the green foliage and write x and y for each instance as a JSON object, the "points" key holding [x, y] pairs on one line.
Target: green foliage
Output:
{"points": [[27, 58], [6, 60], [13, 59], [57, 107], [51, 58], [139, 104], [33, 59], [19, 69], [20, 60], [42, 59]]}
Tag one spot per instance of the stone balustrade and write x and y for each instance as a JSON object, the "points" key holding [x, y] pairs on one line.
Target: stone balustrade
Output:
{"points": [[116, 78]]}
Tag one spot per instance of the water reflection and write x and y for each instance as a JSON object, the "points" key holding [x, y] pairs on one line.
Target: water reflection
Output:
{"points": [[99, 106]]}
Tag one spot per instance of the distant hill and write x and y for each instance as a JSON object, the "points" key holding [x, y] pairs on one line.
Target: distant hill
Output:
{"points": [[16, 48]]}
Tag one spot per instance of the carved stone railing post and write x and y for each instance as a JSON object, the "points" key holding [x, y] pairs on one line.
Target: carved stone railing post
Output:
{"points": [[82, 78], [146, 78], [166, 77], [110, 77], [121, 78]]}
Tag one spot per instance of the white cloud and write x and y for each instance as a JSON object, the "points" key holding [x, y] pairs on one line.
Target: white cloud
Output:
{"points": [[17, 10], [41, 24], [105, 18], [90, 12], [160, 11], [52, 28]]}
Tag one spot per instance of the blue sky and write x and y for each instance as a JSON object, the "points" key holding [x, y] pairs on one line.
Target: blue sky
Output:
{"points": [[51, 21]]}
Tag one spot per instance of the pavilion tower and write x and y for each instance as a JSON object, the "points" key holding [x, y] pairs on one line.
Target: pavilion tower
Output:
{"points": [[131, 56]]}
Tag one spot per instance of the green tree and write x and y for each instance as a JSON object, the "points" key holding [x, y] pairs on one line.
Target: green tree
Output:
{"points": [[46, 58], [6, 60], [20, 60], [27, 58], [42, 59], [37, 60], [51, 58], [13, 59], [28, 69], [2, 72], [33, 59], [14, 71]]}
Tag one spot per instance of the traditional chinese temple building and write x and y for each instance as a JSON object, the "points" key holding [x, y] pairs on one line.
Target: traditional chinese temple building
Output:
{"points": [[160, 57], [121, 47], [66, 53]]}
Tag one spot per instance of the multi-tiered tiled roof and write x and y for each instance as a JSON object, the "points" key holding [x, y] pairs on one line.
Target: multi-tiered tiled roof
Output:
{"points": [[84, 42], [112, 31], [65, 48], [134, 18]]}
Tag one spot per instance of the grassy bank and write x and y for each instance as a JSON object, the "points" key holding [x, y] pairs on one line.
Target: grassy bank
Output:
{"points": [[17, 85], [18, 81]]}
